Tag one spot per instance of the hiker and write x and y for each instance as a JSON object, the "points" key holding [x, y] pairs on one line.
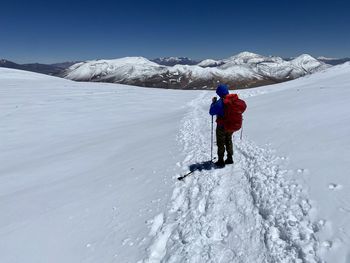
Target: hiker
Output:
{"points": [[228, 110]]}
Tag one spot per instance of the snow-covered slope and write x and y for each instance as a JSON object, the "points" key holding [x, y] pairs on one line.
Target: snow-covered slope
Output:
{"points": [[276, 67], [307, 121], [89, 173], [118, 69], [83, 167], [243, 70], [247, 58], [306, 63], [210, 63], [287, 187]]}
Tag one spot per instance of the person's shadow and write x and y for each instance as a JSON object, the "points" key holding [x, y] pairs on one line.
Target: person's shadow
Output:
{"points": [[208, 165]]}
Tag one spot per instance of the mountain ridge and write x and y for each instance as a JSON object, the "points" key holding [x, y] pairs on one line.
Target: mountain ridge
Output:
{"points": [[243, 70], [48, 69], [172, 61]]}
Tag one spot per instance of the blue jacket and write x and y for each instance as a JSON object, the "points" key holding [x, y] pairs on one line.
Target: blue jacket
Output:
{"points": [[217, 108]]}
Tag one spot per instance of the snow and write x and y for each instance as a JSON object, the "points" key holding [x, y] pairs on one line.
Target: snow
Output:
{"points": [[310, 127], [245, 57], [209, 63], [209, 209], [273, 67], [89, 173], [326, 58], [306, 62], [173, 59], [244, 66], [83, 167], [128, 67]]}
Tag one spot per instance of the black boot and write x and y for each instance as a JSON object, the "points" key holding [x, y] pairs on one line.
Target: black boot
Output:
{"points": [[229, 160], [220, 163]]}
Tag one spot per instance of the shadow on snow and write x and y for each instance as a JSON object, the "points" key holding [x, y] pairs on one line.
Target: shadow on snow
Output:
{"points": [[207, 165]]}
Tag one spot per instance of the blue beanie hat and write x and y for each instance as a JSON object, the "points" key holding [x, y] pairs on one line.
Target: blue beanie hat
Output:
{"points": [[222, 90]]}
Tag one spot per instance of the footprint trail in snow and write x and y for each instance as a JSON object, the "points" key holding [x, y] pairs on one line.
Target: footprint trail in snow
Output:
{"points": [[246, 212]]}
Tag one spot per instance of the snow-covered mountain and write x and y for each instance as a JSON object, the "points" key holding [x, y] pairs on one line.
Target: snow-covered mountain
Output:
{"points": [[172, 61], [242, 70], [89, 173], [116, 70], [210, 63], [333, 61]]}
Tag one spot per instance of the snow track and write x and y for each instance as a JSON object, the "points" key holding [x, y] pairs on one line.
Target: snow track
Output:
{"points": [[246, 212]]}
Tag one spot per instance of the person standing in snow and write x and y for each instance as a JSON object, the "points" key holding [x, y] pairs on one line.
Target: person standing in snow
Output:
{"points": [[228, 110]]}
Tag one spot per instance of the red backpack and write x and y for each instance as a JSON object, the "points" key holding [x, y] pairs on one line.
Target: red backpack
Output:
{"points": [[233, 109]]}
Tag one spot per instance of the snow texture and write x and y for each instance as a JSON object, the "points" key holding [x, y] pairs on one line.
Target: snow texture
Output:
{"points": [[204, 222], [89, 173]]}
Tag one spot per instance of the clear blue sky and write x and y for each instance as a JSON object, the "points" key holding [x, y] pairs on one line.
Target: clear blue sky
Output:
{"points": [[55, 31]]}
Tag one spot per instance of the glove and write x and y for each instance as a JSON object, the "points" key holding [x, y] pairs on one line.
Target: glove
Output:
{"points": [[215, 99]]}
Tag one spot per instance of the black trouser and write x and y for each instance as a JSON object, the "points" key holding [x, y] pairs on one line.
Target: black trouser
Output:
{"points": [[224, 139]]}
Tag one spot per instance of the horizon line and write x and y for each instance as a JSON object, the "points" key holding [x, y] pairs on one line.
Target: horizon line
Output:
{"points": [[154, 58]]}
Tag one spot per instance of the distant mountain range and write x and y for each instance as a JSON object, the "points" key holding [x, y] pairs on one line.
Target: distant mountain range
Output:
{"points": [[333, 61], [243, 70], [329, 61], [49, 69], [172, 61]]}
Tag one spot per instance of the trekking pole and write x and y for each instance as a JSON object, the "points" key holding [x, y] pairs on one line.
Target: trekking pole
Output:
{"points": [[241, 131], [211, 145]]}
